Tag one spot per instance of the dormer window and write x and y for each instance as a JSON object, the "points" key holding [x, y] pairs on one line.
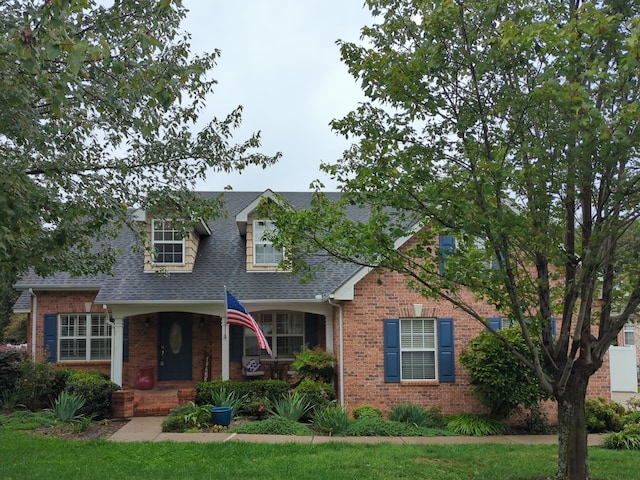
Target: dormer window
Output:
{"points": [[265, 253], [168, 244]]}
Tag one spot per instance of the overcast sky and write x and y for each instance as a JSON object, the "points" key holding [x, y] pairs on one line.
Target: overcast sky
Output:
{"points": [[281, 63]]}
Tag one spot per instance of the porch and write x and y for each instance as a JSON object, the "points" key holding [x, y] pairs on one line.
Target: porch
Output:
{"points": [[149, 403]]}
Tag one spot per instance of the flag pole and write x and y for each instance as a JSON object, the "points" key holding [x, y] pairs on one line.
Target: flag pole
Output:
{"points": [[225, 340]]}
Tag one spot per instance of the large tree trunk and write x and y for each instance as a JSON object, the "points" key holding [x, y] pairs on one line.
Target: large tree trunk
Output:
{"points": [[573, 462]]}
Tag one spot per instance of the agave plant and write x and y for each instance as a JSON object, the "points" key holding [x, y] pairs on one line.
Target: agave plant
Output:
{"points": [[290, 406], [222, 398], [66, 406]]}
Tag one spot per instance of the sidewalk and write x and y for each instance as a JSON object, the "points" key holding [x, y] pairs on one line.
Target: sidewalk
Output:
{"points": [[149, 429]]}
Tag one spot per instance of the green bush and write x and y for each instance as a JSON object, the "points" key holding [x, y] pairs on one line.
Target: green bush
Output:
{"points": [[27, 420], [604, 415], [315, 364], [10, 369], [273, 426], [366, 411], [319, 395], [378, 427], [627, 439], [500, 380], [255, 389], [417, 415], [475, 425], [35, 384], [331, 421], [175, 424], [536, 422], [96, 389], [257, 408]]}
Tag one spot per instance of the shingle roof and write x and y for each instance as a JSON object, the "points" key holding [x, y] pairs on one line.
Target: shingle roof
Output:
{"points": [[221, 260]]}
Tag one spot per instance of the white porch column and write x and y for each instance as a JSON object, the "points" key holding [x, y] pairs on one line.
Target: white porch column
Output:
{"points": [[328, 329], [225, 350], [117, 350]]}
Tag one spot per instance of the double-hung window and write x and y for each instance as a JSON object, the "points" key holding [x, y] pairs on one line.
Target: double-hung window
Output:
{"points": [[283, 330], [418, 348], [84, 337], [265, 253], [168, 243], [629, 334]]}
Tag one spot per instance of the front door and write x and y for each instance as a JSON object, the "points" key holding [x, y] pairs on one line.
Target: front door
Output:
{"points": [[174, 348]]}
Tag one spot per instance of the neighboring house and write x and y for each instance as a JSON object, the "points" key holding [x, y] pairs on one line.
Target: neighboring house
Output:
{"points": [[392, 345]]}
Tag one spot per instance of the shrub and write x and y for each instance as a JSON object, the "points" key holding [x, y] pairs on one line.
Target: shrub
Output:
{"points": [[35, 384], [603, 415], [66, 406], [315, 363], [366, 411], [319, 395], [273, 426], [475, 425], [200, 416], [416, 415], [536, 422], [500, 380], [9, 399], [27, 420], [291, 406], [96, 389], [257, 408], [10, 369], [377, 427], [627, 439], [331, 421], [252, 390], [174, 424]]}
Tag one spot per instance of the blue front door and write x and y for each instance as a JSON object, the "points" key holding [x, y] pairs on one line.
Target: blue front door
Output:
{"points": [[174, 348]]}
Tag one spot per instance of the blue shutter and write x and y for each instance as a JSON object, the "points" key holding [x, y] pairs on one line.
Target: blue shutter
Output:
{"points": [[391, 332], [125, 339], [446, 359], [495, 323], [311, 330], [554, 328], [447, 245], [51, 337]]}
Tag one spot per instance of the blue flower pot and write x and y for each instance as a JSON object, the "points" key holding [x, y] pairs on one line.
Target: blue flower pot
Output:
{"points": [[221, 416]]}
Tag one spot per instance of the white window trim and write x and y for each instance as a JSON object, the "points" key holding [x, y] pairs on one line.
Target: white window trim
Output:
{"points": [[434, 350], [264, 242], [272, 337], [87, 337], [166, 242], [629, 328]]}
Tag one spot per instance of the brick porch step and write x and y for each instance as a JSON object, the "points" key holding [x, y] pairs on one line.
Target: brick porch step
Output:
{"points": [[154, 403]]}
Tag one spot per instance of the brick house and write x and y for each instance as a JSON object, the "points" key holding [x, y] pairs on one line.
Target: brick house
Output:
{"points": [[172, 324]]}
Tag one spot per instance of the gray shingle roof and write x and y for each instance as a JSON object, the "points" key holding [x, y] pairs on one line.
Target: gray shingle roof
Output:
{"points": [[221, 260]]}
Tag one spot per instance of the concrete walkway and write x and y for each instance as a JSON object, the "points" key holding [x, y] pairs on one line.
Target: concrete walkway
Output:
{"points": [[149, 429]]}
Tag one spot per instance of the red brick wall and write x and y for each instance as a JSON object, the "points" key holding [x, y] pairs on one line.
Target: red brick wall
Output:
{"points": [[363, 350]]}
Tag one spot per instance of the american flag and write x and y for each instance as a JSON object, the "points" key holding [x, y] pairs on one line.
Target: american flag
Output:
{"points": [[238, 315]]}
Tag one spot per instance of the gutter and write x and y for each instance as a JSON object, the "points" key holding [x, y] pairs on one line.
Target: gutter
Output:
{"points": [[34, 318], [341, 343]]}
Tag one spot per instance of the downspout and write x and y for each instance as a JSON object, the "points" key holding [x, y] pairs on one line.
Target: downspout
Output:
{"points": [[341, 343], [34, 319]]}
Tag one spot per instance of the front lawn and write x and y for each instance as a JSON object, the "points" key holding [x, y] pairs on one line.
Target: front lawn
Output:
{"points": [[27, 456]]}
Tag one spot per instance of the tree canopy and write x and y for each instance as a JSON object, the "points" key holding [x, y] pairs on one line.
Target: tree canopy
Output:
{"points": [[101, 109], [514, 128]]}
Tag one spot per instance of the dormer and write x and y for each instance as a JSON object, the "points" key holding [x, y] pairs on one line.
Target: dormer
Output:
{"points": [[167, 248], [261, 254]]}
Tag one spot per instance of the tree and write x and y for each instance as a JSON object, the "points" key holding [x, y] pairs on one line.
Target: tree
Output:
{"points": [[99, 112], [514, 128]]}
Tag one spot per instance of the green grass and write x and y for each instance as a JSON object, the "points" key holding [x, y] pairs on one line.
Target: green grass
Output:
{"points": [[25, 456]]}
